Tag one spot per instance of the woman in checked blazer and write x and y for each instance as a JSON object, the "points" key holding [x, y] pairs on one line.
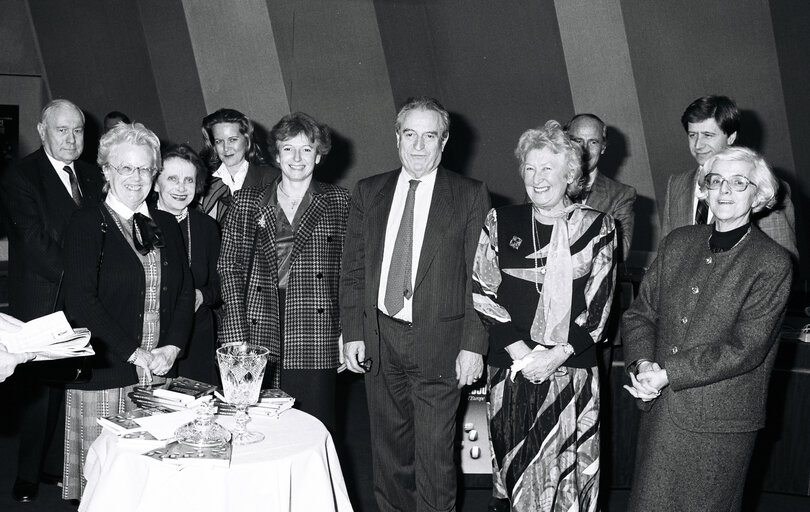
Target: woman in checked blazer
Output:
{"points": [[280, 267]]}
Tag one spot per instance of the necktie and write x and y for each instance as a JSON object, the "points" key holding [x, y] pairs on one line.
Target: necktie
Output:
{"points": [[74, 186], [399, 273], [701, 212]]}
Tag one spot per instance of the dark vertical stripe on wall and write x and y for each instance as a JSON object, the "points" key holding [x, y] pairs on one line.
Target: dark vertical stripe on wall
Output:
{"points": [[497, 66], [334, 69], [174, 68], [687, 49], [94, 53], [791, 20]]}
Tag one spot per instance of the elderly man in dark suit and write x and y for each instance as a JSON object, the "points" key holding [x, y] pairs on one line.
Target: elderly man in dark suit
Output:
{"points": [[407, 313], [712, 124], [39, 194], [600, 192]]}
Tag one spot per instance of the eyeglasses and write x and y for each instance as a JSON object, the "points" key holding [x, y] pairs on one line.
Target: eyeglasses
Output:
{"points": [[366, 364], [736, 183], [128, 170]]}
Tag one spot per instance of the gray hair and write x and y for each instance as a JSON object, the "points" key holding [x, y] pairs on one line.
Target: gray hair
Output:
{"points": [[56, 104], [553, 137], [135, 134], [761, 175], [429, 104]]}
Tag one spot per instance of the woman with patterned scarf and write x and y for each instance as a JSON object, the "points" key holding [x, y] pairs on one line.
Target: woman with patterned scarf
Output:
{"points": [[543, 280]]}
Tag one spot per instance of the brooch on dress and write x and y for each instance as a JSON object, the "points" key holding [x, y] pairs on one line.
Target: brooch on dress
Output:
{"points": [[262, 222], [515, 242]]}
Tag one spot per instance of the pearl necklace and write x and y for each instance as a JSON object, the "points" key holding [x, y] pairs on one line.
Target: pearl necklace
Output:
{"points": [[541, 270]]}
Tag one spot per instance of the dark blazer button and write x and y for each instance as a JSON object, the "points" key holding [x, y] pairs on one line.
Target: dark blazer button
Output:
{"points": [[320, 310], [254, 321], [165, 288], [319, 275], [258, 288], [165, 263], [328, 238]]}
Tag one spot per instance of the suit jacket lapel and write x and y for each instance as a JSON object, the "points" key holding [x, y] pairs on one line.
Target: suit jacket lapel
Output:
{"points": [[265, 220], [58, 198], [598, 198], [441, 208], [685, 201], [309, 220], [377, 215]]}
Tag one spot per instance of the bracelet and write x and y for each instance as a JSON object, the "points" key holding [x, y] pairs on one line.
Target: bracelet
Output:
{"points": [[568, 349]]}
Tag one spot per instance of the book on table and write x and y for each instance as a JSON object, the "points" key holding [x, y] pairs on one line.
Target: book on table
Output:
{"points": [[272, 402], [176, 395], [183, 455], [125, 422], [142, 441]]}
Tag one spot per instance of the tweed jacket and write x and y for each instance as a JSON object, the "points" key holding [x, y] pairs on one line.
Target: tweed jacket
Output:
{"points": [[711, 320], [109, 300], [616, 199], [36, 209], [248, 268], [219, 195], [778, 223], [444, 320]]}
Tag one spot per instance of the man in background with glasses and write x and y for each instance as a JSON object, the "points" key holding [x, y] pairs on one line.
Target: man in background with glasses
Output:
{"points": [[38, 195], [712, 124]]}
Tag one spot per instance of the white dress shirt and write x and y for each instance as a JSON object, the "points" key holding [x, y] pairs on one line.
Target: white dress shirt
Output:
{"points": [[421, 208], [233, 181], [63, 176], [710, 217]]}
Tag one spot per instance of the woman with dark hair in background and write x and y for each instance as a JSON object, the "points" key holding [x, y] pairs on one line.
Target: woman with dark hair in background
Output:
{"points": [[700, 343], [233, 158], [543, 279], [127, 280], [178, 183], [280, 267]]}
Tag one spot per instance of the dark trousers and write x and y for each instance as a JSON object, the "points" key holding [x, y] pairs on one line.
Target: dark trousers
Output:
{"points": [[42, 426], [413, 424], [314, 393]]}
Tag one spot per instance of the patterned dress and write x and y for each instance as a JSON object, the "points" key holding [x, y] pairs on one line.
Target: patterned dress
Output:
{"points": [[544, 437], [83, 407]]}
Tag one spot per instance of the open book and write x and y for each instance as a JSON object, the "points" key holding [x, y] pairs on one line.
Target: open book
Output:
{"points": [[49, 337]]}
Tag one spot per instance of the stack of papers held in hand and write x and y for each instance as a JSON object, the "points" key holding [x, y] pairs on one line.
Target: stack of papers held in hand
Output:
{"points": [[49, 337]]}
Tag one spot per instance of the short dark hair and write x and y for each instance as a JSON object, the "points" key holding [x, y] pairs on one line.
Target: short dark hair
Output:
{"points": [[228, 115], [720, 108], [425, 103], [114, 114], [297, 123], [187, 153]]}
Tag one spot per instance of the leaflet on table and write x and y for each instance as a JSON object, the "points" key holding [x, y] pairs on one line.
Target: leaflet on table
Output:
{"points": [[142, 441], [50, 337], [163, 426], [125, 422], [183, 455]]}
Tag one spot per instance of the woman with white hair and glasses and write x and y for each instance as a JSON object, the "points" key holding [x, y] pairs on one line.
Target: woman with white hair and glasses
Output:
{"points": [[699, 344], [127, 279]]}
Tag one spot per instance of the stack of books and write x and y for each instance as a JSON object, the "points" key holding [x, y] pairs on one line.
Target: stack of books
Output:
{"points": [[180, 394], [272, 402]]}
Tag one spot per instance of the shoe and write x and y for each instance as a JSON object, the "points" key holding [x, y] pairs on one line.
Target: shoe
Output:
{"points": [[24, 492], [50, 479], [498, 505]]}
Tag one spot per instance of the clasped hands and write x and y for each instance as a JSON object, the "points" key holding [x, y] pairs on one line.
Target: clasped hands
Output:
{"points": [[648, 381], [157, 361], [540, 364]]}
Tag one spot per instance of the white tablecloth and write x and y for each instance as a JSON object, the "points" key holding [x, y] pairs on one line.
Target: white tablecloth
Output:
{"points": [[295, 468]]}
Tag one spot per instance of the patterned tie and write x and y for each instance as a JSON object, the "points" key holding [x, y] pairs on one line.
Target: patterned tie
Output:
{"points": [[74, 186], [399, 273], [701, 212]]}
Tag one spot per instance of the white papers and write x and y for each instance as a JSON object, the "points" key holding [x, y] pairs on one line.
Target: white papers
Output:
{"points": [[163, 426], [49, 337]]}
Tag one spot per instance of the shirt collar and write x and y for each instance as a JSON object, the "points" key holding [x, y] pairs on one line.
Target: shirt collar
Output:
{"points": [[591, 179], [57, 164], [123, 210], [427, 179], [232, 180]]}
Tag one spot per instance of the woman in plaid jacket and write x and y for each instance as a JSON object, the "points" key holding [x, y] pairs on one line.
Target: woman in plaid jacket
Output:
{"points": [[280, 267]]}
